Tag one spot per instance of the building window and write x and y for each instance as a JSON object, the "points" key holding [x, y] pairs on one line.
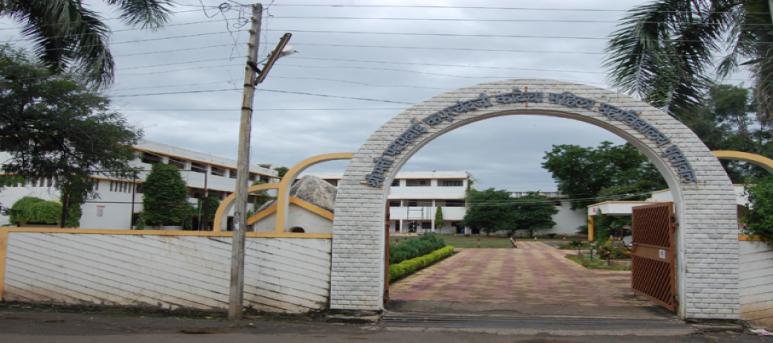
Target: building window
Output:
{"points": [[232, 173], [394, 203], [264, 179], [179, 164], [217, 171], [150, 158], [426, 225], [198, 167], [450, 183], [454, 203], [419, 203], [333, 182], [138, 188], [396, 183], [417, 183]]}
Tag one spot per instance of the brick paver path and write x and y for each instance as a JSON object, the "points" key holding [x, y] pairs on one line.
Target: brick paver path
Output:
{"points": [[535, 273]]}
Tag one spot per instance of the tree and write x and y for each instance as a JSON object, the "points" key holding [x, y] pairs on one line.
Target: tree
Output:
{"points": [[68, 35], [260, 198], [54, 127], [585, 173], [165, 198], [487, 210], [759, 217], [665, 50], [281, 171], [533, 212], [725, 121], [439, 222], [206, 209], [495, 210]]}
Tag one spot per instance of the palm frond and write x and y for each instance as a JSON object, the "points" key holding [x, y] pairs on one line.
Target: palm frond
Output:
{"points": [[90, 51], [150, 14], [662, 50]]}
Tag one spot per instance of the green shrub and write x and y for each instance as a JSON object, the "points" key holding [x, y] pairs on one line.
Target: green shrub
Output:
{"points": [[574, 244], [759, 219], [596, 263], [407, 267], [31, 210], [608, 250], [416, 247], [165, 200]]}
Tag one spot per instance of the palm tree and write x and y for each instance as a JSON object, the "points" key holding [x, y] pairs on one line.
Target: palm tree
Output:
{"points": [[667, 51], [67, 35]]}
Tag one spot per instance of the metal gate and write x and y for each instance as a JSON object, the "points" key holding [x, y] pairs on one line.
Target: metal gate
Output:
{"points": [[653, 258]]}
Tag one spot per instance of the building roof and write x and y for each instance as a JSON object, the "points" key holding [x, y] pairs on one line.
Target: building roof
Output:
{"points": [[435, 174], [196, 156]]}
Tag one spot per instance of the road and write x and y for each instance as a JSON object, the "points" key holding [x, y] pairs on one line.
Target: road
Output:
{"points": [[19, 324]]}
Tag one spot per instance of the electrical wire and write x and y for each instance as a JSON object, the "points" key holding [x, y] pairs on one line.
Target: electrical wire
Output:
{"points": [[263, 90]]}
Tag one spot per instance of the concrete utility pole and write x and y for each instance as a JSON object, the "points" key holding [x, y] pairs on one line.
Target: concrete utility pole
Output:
{"points": [[236, 290], [252, 77]]}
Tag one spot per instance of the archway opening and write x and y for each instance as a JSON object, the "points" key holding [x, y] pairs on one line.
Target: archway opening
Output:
{"points": [[506, 270]]}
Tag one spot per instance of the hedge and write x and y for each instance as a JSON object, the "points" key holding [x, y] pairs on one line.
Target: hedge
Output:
{"points": [[415, 247], [31, 210], [408, 267]]}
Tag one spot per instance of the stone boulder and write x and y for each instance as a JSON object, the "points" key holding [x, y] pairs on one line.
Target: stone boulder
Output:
{"points": [[314, 190]]}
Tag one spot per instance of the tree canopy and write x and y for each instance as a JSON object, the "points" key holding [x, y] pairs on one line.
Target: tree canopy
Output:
{"points": [[165, 198], [665, 50], [725, 121], [493, 210], [69, 35], [52, 126], [585, 174]]}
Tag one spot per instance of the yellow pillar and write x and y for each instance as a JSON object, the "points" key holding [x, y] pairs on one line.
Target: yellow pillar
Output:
{"points": [[3, 253], [591, 229]]}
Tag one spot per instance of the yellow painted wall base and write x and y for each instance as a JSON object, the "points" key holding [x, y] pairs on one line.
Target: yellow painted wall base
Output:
{"points": [[3, 254]]}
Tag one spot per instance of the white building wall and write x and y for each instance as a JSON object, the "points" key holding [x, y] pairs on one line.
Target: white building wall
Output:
{"points": [[169, 272], [567, 220], [431, 192], [297, 217], [426, 213]]}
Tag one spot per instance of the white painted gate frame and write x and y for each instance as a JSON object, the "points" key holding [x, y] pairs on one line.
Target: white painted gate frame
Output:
{"points": [[707, 236]]}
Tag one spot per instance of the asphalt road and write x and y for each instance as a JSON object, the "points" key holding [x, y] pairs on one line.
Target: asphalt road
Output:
{"points": [[18, 324]]}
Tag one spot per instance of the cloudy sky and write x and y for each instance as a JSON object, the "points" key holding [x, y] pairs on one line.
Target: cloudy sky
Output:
{"points": [[181, 84]]}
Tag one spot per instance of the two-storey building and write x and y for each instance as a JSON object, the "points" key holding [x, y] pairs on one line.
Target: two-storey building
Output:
{"points": [[416, 197], [115, 203]]}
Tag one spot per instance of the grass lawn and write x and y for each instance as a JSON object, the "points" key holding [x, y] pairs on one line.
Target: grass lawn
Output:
{"points": [[468, 241], [596, 263]]}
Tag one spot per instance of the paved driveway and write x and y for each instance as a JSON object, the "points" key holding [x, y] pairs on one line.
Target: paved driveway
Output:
{"points": [[533, 279]]}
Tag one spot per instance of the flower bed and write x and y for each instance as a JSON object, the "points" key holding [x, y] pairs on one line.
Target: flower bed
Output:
{"points": [[408, 267]]}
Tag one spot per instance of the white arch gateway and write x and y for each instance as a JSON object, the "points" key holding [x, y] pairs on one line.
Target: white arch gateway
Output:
{"points": [[707, 239]]}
